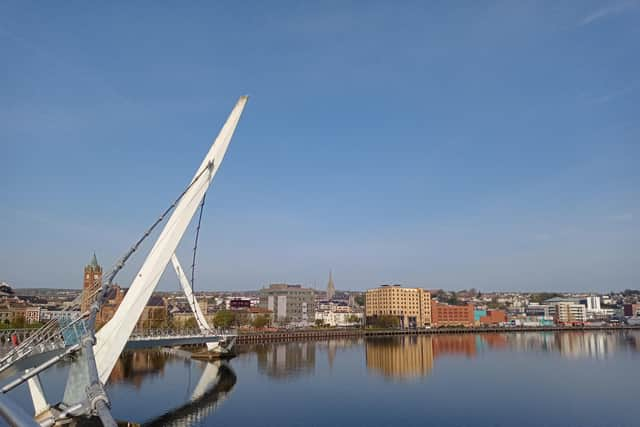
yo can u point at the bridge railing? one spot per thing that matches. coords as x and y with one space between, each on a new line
162 332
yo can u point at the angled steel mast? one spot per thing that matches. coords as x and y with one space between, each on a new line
112 338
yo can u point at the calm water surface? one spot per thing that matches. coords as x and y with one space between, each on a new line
530 379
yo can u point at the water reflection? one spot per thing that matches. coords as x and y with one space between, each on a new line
134 367
213 385
336 345
595 345
280 361
401 357
415 356
155 387
216 383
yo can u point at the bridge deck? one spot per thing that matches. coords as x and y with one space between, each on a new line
134 342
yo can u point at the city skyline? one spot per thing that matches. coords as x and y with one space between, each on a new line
488 147
329 290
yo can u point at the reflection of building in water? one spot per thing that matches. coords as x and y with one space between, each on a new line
286 360
134 366
411 356
588 344
633 341
331 353
540 341
334 345
403 357
573 345
463 344
495 341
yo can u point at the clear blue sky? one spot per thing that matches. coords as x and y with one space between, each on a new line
441 144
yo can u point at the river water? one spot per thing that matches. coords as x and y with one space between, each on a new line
520 379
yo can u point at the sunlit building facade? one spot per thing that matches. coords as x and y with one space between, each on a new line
412 306
452 315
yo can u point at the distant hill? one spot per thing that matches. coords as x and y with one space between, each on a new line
44 291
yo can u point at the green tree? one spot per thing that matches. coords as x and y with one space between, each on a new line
191 323
260 321
453 299
359 299
223 319
19 322
385 321
319 323
543 296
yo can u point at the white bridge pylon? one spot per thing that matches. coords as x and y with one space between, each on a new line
112 338
188 292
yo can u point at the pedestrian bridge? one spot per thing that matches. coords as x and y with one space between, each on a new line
169 338
144 339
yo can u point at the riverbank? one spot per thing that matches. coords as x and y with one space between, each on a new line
322 334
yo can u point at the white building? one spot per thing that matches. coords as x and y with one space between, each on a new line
592 303
339 318
594 309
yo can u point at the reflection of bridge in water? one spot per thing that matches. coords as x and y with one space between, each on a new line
204 401
215 383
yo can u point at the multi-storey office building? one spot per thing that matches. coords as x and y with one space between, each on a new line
412 306
289 303
538 310
567 312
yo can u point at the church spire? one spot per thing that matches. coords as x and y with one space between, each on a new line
331 288
94 261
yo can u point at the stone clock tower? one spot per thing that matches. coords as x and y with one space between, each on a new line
92 280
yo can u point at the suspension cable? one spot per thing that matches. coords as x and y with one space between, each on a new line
195 245
193 263
120 264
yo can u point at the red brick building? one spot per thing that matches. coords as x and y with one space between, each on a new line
451 315
494 317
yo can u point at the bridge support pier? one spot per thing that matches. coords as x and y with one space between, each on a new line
40 403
